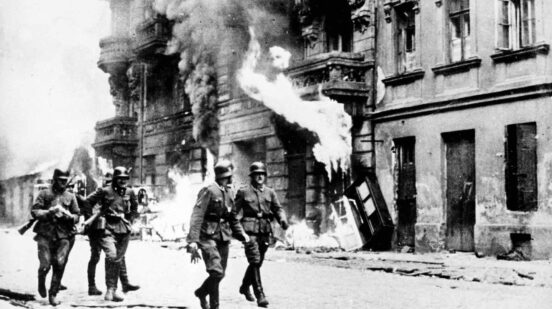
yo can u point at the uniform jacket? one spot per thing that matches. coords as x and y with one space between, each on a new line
119 207
213 216
48 224
257 208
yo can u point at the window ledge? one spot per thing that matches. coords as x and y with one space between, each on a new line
520 54
456 67
404 78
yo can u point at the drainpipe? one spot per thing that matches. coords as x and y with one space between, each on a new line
143 102
374 91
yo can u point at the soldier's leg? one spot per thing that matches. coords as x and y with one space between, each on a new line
44 259
213 266
95 251
123 275
255 257
61 286
247 281
108 244
223 249
62 247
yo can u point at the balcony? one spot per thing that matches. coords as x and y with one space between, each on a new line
114 54
152 36
116 134
341 75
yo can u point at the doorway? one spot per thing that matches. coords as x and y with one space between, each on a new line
460 189
406 191
245 153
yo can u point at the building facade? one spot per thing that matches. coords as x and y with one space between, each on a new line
449 101
464 136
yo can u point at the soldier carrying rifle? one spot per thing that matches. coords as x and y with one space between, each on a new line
57 212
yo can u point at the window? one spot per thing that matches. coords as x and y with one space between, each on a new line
521 167
459 27
338 39
516 24
405 38
338 27
150 169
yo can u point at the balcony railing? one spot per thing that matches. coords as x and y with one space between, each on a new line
338 73
152 36
117 131
114 54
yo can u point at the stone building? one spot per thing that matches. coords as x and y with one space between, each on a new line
453 121
464 136
335 44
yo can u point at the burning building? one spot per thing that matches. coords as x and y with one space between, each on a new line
456 135
174 70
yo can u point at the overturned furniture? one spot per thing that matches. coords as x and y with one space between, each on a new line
376 224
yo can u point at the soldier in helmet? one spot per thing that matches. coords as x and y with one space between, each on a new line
95 228
57 213
258 205
118 208
211 226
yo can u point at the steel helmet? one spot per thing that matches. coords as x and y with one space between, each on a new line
257 168
59 174
223 169
120 172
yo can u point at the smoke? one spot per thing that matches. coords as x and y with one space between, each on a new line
207 32
325 117
51 91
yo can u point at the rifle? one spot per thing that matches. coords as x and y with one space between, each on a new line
26 226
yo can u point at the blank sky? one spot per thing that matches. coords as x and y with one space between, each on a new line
51 90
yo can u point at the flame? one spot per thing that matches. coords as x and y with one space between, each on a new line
300 235
325 117
173 216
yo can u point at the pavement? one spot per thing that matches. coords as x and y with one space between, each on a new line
292 278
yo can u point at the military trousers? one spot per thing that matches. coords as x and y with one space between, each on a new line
53 253
114 246
215 257
255 251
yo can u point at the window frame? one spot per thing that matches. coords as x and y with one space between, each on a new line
461 13
519 13
401 37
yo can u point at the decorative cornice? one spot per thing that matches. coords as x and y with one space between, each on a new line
389 5
520 54
404 78
455 67
355 4
471 101
361 20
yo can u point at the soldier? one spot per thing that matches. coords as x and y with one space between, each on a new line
258 205
118 208
57 213
211 227
94 228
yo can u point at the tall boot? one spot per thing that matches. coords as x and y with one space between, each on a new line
42 281
214 295
91 272
258 288
127 286
111 295
57 272
246 283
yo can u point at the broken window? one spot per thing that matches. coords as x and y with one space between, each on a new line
521 167
149 170
459 27
516 24
405 37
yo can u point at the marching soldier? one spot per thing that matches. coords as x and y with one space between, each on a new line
118 208
211 227
57 213
94 228
258 205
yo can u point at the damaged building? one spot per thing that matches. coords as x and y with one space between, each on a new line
447 102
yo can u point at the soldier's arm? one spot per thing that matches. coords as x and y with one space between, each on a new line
74 210
238 204
235 225
198 213
277 210
133 207
39 209
94 198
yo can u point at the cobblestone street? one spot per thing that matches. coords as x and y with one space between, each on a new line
168 280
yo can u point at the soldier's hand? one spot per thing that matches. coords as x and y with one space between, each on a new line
195 257
246 238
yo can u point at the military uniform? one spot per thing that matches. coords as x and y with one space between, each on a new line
55 234
118 206
257 207
211 226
